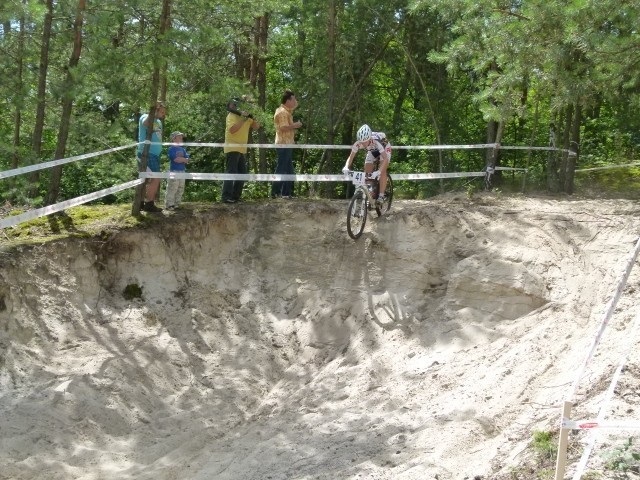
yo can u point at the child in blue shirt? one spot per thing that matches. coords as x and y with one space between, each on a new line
179 158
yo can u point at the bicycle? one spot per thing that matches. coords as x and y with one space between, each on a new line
364 199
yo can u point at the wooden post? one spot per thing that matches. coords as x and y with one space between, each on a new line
561 461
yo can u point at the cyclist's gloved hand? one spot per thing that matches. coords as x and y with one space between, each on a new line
345 170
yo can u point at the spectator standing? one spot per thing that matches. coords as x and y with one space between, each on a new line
178 158
285 135
238 125
153 157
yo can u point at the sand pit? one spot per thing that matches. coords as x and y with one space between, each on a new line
257 341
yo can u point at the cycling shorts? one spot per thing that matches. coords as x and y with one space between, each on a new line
153 162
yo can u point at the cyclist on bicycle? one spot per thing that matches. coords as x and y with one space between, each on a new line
378 148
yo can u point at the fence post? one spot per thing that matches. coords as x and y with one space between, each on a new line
563 441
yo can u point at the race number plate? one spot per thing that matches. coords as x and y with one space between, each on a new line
358 178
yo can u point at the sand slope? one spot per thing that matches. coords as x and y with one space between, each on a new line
269 345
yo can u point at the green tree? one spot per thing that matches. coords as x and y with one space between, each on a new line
68 96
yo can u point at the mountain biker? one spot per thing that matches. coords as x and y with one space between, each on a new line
377 147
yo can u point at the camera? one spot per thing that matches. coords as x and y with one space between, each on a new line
234 103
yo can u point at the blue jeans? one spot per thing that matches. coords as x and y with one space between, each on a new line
285 167
232 189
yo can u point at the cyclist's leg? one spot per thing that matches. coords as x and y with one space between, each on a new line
384 164
383 176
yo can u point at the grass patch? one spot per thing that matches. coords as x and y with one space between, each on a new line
615 183
623 458
80 221
545 446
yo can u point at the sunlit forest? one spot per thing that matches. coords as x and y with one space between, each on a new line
77 75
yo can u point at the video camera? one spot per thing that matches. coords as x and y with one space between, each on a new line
234 103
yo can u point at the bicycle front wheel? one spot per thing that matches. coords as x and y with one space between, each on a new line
388 197
357 214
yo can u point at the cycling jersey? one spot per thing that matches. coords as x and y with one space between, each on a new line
374 148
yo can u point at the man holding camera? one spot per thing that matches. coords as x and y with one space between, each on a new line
238 125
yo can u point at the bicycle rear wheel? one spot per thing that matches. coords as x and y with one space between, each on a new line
388 197
357 214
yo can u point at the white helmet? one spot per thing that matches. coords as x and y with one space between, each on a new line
364 133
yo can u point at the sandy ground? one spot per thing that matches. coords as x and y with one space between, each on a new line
269 345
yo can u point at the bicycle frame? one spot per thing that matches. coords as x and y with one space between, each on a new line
363 200
360 179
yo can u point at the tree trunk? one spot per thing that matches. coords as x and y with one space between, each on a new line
243 64
532 139
492 128
331 100
17 121
396 124
566 135
261 36
574 147
163 83
495 130
308 104
34 178
302 37
498 140
552 159
67 103
165 24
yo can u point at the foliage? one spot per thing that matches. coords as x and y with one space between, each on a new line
624 458
425 72
545 446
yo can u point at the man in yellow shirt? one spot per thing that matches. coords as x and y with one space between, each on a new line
285 135
237 130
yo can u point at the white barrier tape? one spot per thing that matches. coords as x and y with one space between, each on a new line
334 147
62 161
520 147
605 320
512 169
393 147
258 177
435 176
571 153
266 177
442 147
41 212
608 167
599 424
